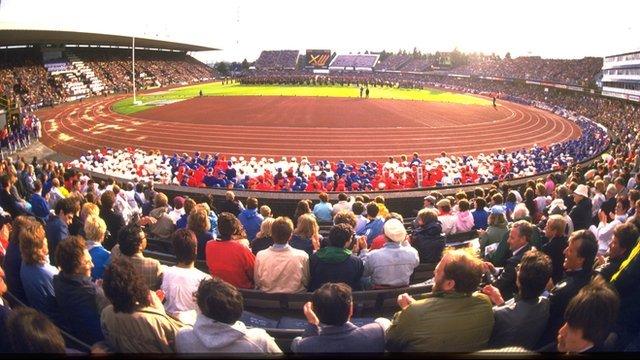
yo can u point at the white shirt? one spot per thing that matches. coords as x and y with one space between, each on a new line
178 285
604 232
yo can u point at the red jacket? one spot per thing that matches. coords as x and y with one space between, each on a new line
231 261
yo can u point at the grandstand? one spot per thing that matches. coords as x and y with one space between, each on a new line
354 62
277 60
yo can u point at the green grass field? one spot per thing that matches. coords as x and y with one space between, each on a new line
217 89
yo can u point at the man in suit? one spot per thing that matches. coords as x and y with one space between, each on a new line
518 241
329 329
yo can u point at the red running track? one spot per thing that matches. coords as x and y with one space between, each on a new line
320 128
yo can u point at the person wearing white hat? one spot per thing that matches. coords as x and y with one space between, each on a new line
392 265
581 212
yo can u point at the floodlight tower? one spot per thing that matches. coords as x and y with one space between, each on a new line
133 67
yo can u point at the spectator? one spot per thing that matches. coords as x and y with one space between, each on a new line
263 238
335 263
446 218
581 212
521 320
625 238
391 266
115 222
80 301
464 219
480 214
231 204
5 311
265 211
217 328
519 238
361 220
36 273
9 201
39 206
380 240
133 241
135 322
578 264
33 333
323 210
198 222
181 281
607 224
329 328
555 246
374 226
189 205
281 268
251 219
229 256
589 319
344 203
163 227
302 208
384 212
178 209
427 238
13 259
95 229
453 307
306 236
496 231
57 226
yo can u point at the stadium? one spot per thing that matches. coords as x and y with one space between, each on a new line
314 200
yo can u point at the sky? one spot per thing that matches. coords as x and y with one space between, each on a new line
548 28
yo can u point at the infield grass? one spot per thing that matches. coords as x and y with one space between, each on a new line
217 89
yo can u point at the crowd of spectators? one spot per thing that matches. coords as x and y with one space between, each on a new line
556 268
277 59
580 72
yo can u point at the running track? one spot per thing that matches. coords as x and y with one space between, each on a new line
406 126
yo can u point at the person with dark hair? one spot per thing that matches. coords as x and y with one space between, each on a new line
251 219
453 317
189 205
521 320
373 227
33 333
229 257
427 237
579 258
79 299
282 268
329 328
133 241
335 263
39 206
58 225
344 203
163 227
181 281
346 217
199 222
625 238
36 273
480 214
519 243
135 322
359 209
323 210
588 320
217 328
8 200
608 222
302 208
115 222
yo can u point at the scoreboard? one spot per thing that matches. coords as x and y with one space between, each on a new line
318 59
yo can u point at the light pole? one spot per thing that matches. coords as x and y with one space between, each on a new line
133 68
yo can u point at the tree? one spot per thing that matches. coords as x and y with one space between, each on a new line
245 64
222 68
507 56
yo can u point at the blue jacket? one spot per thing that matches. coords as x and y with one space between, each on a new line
56 231
301 243
251 220
323 212
37 281
335 265
372 229
480 218
77 300
100 258
12 264
182 222
39 206
339 339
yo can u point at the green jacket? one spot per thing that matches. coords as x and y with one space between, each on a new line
443 322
